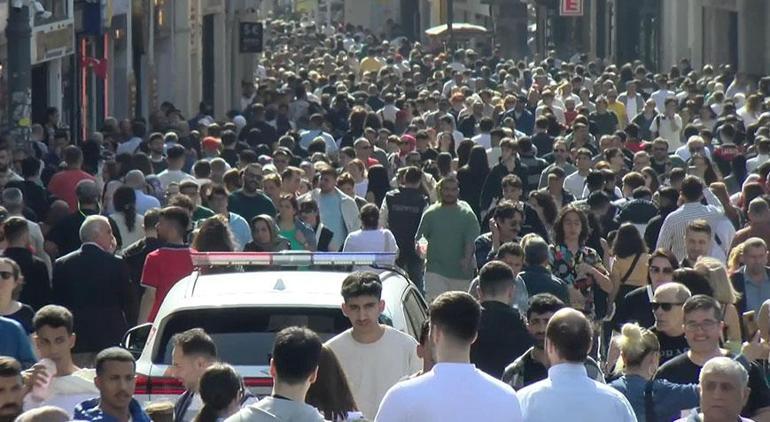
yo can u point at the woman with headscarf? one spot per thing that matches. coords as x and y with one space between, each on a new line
265 237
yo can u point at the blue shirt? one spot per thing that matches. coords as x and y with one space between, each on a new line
330 210
568 394
15 342
757 291
668 398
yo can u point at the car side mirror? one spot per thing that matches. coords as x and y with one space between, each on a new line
136 338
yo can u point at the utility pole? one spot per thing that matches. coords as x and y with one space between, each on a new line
450 17
19 35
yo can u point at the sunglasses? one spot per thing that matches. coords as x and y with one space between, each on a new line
5 275
658 270
663 305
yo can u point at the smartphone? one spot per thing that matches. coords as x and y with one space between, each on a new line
692 170
750 324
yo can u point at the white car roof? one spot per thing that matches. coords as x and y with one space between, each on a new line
269 288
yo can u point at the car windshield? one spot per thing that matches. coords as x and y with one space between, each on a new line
244 336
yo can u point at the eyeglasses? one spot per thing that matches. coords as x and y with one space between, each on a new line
664 305
5 275
706 325
664 270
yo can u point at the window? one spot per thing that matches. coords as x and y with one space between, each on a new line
414 308
244 336
59 10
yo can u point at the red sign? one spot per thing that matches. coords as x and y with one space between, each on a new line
571 8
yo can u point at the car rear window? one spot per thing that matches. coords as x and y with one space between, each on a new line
244 336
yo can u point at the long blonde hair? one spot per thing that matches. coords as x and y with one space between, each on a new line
636 343
716 274
734 261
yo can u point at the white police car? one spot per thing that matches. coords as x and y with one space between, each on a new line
242 311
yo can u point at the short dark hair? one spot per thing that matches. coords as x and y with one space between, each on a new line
151 217
509 248
195 341
703 303
296 353
112 354
9 367
571 336
14 228
73 155
412 175
30 166
54 316
370 216
175 152
178 215
361 283
506 210
692 188
536 252
458 314
495 277
544 303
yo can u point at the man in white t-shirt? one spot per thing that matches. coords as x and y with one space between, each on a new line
54 339
454 389
371 238
374 356
668 126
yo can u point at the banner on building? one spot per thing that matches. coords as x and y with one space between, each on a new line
571 8
251 37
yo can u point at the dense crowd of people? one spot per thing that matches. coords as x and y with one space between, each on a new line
610 226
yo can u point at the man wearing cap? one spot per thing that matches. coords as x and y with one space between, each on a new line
135 180
210 148
64 237
315 130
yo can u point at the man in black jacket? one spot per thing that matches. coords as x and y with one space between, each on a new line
64 237
401 212
136 253
492 190
95 285
37 282
502 335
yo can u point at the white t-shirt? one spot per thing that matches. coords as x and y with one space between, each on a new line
196 404
662 125
168 177
380 240
483 139
574 185
67 391
373 368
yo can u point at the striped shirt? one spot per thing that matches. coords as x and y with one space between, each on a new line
672 231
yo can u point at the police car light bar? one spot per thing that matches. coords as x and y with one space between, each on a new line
291 258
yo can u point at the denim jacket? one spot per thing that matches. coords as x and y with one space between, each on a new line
668 398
